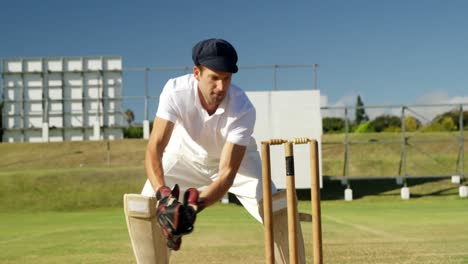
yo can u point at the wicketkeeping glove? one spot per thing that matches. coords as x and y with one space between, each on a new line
176 219
191 209
167 213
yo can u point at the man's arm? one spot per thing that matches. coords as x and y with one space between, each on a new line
160 135
230 160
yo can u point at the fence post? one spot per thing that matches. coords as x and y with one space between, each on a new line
108 153
348 194
146 92
403 146
346 154
462 147
146 130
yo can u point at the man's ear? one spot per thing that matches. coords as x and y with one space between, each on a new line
196 72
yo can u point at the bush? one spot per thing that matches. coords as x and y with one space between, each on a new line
448 124
136 132
454 115
133 132
333 124
445 124
364 128
412 124
382 122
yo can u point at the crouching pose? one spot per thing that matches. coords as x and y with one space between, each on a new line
201 141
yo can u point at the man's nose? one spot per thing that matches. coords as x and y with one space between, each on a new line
221 85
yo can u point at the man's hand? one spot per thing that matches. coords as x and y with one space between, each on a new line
176 219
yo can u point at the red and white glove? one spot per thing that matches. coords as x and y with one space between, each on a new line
175 218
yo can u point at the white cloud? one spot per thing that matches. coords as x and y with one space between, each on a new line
459 100
433 97
337 108
434 103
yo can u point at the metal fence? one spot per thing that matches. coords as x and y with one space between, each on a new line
431 149
142 86
408 153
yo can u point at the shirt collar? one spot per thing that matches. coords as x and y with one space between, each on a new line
222 106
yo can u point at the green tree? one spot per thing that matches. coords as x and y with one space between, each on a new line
441 124
130 117
447 124
412 124
455 116
361 115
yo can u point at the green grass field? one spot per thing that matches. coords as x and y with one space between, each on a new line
427 230
370 154
62 203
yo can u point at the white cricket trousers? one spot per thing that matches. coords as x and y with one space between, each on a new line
190 171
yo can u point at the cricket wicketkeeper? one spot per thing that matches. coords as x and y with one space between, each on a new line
200 148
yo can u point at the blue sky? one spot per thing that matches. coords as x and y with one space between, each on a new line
389 52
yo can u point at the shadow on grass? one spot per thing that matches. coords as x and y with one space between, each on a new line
386 187
377 187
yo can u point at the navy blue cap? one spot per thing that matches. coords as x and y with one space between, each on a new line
216 54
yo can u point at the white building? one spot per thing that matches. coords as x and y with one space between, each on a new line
62 99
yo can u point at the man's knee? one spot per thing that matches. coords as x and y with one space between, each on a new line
280 229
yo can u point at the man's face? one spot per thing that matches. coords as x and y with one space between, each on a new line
212 85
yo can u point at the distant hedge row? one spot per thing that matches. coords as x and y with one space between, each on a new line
448 121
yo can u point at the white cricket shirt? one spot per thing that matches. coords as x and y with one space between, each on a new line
198 133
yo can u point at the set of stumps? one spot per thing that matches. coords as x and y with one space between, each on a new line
291 199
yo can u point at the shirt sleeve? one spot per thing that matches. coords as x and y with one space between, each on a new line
167 107
242 128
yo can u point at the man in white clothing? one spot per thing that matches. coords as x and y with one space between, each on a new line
202 138
202 133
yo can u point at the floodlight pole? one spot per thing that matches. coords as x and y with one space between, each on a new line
275 72
315 76
146 92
